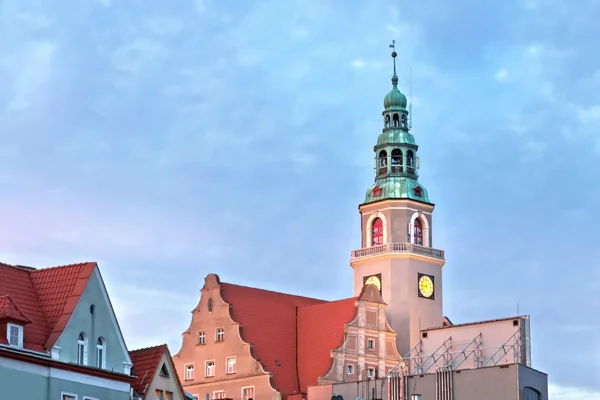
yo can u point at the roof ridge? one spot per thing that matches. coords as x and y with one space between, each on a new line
329 302
273 291
19 267
55 267
164 345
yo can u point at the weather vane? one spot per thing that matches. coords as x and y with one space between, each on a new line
393 45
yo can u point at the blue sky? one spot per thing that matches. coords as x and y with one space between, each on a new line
168 140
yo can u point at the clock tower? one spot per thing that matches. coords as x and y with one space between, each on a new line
396 251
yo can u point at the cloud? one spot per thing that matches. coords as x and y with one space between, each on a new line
501 75
558 392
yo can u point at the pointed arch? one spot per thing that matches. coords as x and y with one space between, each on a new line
369 228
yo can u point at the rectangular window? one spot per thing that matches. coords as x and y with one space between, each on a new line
350 369
370 344
169 396
159 395
200 337
248 393
210 368
219 394
68 396
231 365
370 372
189 372
15 335
219 335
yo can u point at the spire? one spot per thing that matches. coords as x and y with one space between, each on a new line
394 54
396 162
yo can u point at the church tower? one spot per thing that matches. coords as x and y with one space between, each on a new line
397 231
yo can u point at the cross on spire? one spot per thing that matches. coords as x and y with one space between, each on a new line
394 54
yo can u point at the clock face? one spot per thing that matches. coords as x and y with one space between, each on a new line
374 280
426 286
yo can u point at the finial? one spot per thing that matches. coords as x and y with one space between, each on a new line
394 54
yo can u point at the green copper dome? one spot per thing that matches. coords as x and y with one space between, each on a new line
395 99
397 187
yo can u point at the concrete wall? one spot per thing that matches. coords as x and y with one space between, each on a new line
20 380
98 324
492 383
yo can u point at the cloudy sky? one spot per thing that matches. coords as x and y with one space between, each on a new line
168 140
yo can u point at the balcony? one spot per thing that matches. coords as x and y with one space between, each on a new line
397 248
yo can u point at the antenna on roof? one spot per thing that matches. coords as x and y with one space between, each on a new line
410 118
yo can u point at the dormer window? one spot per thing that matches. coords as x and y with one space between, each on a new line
376 191
418 191
14 334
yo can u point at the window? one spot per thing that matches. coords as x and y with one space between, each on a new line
396 160
164 371
219 394
350 369
169 396
210 368
247 392
387 121
82 349
219 335
396 121
377 232
231 365
532 394
418 232
189 372
201 337
210 305
370 344
68 396
370 372
382 162
159 395
409 162
15 335
100 353
196 396
89 398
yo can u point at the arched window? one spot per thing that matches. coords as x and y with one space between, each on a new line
396 160
409 162
100 353
531 393
387 121
382 162
418 232
377 232
210 305
404 120
81 349
396 121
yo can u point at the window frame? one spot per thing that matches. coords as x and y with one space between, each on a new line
20 333
101 353
214 369
200 334
377 239
220 332
350 369
371 369
82 349
63 394
242 392
186 369
234 358
369 341
418 237
219 392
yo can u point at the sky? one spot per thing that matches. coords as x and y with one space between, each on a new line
169 140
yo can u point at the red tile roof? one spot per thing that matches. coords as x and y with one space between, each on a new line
9 311
146 362
47 297
268 322
321 331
